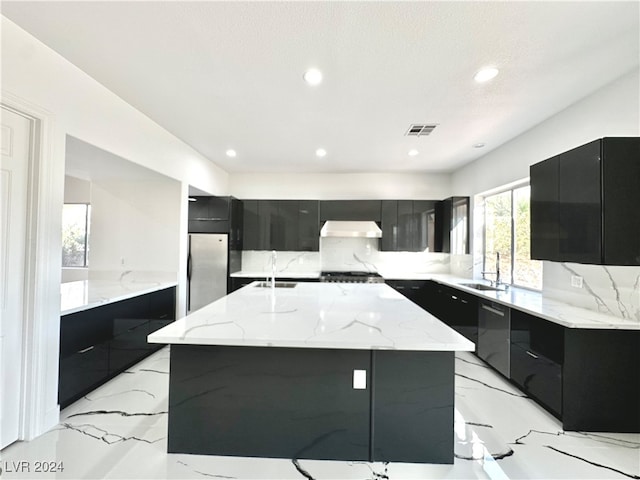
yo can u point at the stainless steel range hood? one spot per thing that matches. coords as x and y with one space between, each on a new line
337 228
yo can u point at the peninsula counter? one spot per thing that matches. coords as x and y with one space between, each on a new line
313 370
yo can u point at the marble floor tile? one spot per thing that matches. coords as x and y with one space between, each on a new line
119 431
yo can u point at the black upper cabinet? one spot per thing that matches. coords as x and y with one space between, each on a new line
583 201
209 214
452 225
424 225
352 210
621 197
308 226
544 210
389 217
408 225
579 219
250 227
285 225
268 225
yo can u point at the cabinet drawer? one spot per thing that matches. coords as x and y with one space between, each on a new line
537 376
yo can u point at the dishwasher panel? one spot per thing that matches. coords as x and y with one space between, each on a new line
494 335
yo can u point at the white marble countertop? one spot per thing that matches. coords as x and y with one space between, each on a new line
535 303
528 301
263 274
85 294
315 315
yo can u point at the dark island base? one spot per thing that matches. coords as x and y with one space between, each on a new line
300 403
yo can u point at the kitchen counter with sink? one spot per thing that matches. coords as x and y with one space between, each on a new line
313 370
528 301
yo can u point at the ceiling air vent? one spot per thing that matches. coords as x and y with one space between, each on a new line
421 129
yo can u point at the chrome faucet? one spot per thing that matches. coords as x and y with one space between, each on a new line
496 273
274 258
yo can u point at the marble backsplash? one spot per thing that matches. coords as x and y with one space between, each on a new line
357 254
292 262
611 290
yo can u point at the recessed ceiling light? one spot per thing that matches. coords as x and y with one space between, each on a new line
485 74
191 199
478 145
413 153
313 76
321 152
231 153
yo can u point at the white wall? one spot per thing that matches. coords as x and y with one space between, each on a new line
613 110
134 226
341 186
76 190
37 79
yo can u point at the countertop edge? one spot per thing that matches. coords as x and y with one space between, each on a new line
118 298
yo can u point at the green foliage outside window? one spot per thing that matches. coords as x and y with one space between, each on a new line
75 235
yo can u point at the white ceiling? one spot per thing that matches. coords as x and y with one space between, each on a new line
223 75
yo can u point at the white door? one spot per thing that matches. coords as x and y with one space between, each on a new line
16 141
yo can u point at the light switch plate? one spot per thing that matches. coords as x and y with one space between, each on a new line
359 379
576 281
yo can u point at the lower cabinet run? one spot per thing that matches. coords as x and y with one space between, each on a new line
101 342
587 378
312 403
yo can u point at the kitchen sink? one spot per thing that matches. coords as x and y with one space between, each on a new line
278 284
482 286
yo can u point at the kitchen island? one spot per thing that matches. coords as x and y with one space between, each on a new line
313 370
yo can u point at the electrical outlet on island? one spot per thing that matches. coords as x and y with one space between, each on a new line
576 281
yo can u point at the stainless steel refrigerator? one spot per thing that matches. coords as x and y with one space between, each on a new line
206 269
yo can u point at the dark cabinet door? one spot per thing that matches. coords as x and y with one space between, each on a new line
250 225
353 210
621 187
268 224
544 209
81 372
537 354
405 225
308 226
219 208
198 208
389 216
236 222
412 289
424 225
286 232
412 406
208 214
579 205
494 332
443 210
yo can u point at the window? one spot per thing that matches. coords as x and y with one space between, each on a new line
507 232
75 234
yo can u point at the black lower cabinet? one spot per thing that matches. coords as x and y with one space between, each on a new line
601 380
455 308
412 409
412 289
268 402
82 371
537 356
303 403
101 342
